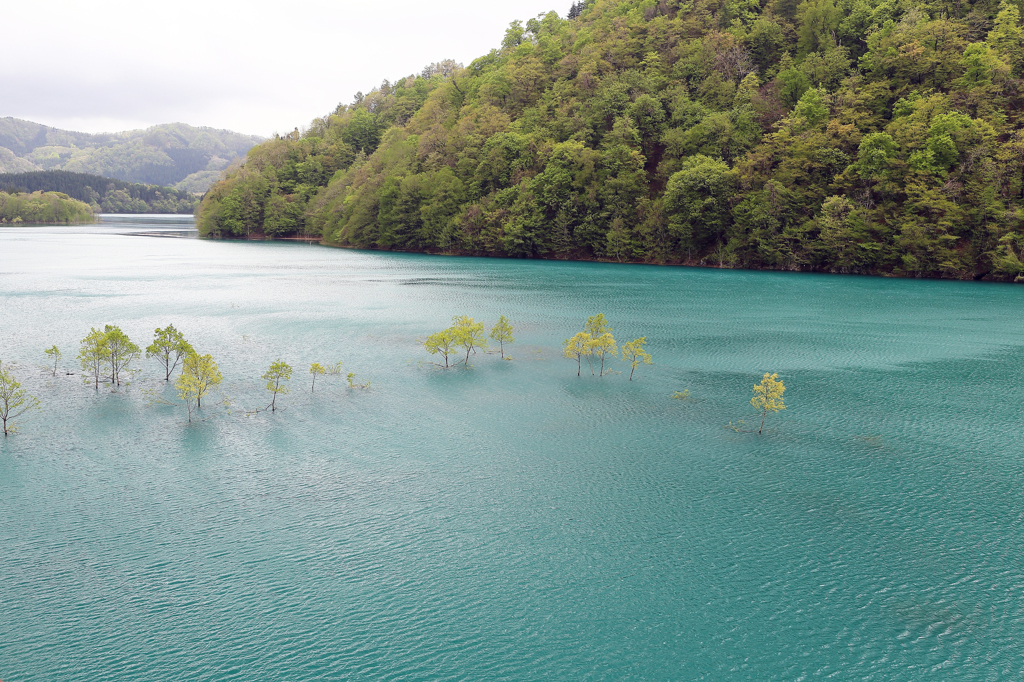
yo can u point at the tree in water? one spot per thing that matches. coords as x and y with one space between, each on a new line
634 353
14 401
199 373
120 351
768 396
316 369
278 373
54 354
442 342
93 354
169 347
502 333
578 347
600 348
468 334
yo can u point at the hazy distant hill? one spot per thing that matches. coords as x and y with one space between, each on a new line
103 195
172 154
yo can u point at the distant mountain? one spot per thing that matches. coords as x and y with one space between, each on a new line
173 154
103 195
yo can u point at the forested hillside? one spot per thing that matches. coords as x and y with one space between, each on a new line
874 136
103 194
173 154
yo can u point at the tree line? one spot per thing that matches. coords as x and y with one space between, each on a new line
43 207
104 195
863 136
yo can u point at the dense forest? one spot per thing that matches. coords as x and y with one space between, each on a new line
104 195
188 158
43 207
870 136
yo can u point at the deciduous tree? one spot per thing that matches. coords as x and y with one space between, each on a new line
199 373
502 333
169 347
442 342
600 348
469 334
14 400
278 373
768 396
120 351
577 348
54 354
93 354
634 353
316 369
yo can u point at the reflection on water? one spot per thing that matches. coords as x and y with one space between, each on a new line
509 520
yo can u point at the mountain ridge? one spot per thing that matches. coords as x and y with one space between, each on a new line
177 155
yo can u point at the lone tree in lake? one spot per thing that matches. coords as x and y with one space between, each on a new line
120 351
316 369
634 353
169 347
93 354
14 401
502 333
199 373
279 372
768 396
54 354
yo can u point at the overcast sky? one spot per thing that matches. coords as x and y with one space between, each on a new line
254 67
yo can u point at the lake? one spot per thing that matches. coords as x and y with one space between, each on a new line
509 520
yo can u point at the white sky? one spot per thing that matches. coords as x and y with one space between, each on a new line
255 67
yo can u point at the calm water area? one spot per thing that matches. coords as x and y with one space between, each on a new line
506 521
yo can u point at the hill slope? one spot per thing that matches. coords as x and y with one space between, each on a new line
836 135
167 155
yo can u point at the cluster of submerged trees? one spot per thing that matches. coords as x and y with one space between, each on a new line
110 350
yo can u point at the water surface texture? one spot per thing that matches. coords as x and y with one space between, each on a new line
508 521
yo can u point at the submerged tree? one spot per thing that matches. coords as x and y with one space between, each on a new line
199 373
120 351
442 342
279 372
316 369
502 333
14 400
169 347
93 354
600 348
768 396
468 334
55 355
634 353
597 326
578 347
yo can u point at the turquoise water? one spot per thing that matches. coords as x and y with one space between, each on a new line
509 521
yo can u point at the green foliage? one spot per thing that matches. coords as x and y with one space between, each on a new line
14 401
169 347
469 334
316 369
635 354
502 333
120 351
278 373
199 373
162 155
443 343
54 354
768 396
93 354
104 194
832 135
43 207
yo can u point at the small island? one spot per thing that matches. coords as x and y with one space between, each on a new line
48 208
